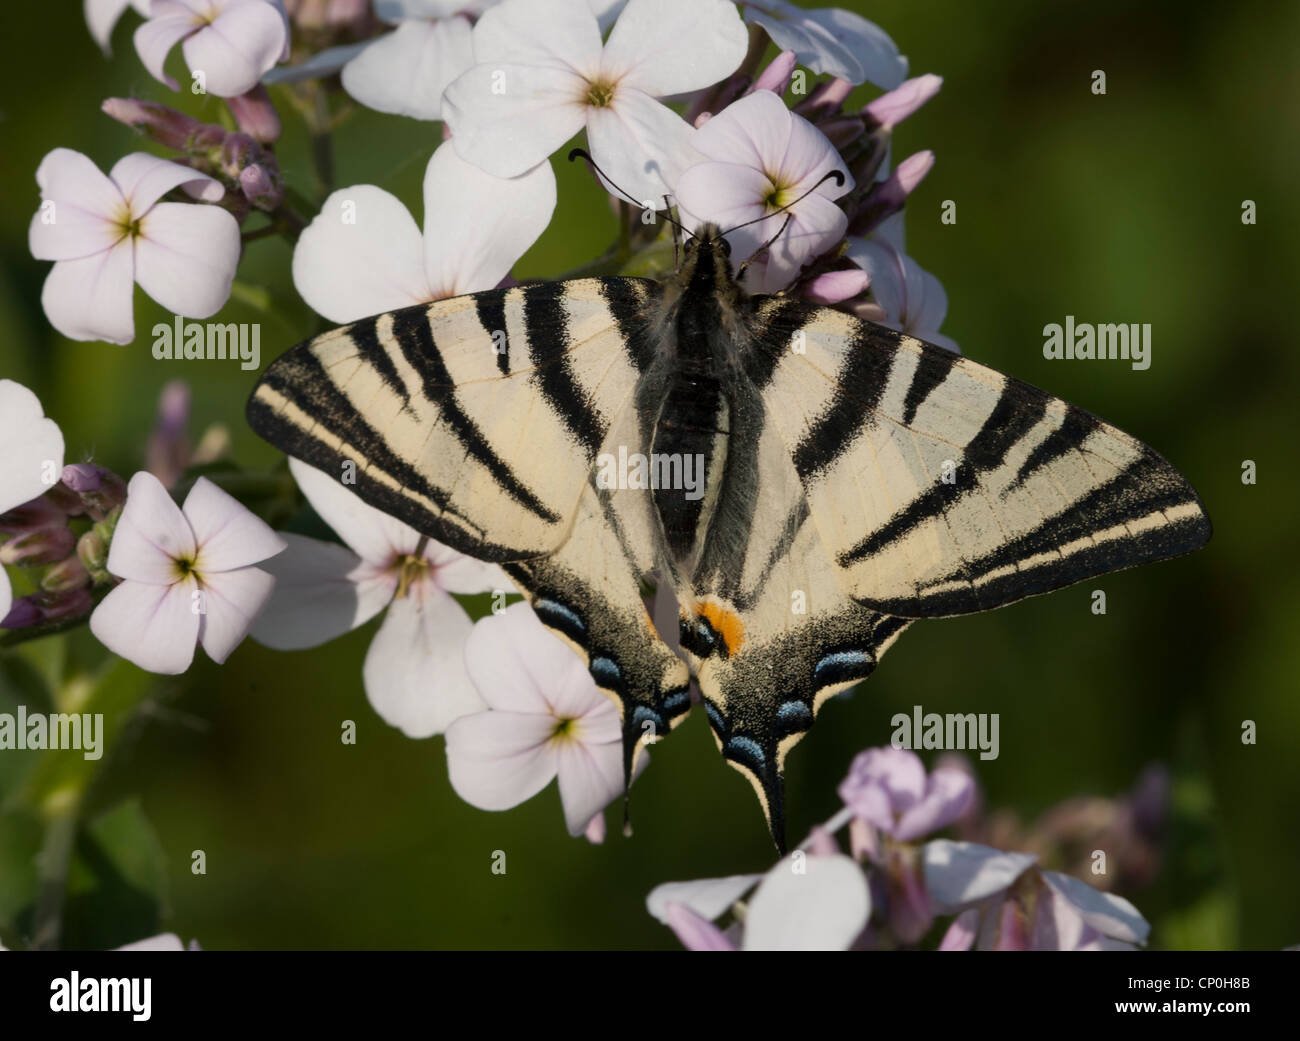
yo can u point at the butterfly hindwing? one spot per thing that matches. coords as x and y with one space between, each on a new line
940 486
446 411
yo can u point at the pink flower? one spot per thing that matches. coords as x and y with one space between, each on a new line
104 233
230 42
31 459
542 75
364 254
1007 903
414 672
888 788
187 576
760 157
546 719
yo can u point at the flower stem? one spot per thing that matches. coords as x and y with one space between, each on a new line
52 878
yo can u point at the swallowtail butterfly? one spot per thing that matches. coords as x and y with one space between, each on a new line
858 472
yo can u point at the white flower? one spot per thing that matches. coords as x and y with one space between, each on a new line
102 16
406 71
831 40
31 458
760 157
546 719
806 902
104 233
414 671
231 42
912 299
187 575
364 254
543 74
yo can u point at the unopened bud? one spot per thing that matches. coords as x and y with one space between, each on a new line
259 187
92 551
23 613
65 575
43 546
31 516
256 115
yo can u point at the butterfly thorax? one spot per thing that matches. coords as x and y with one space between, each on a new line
692 428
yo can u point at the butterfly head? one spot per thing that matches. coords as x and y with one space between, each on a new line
706 260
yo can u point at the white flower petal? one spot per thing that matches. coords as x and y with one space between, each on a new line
883 265
360 256
244 41
457 573
519 665
82 212
186 256
143 179
154 626
230 602
642 145
151 535
1109 914
823 908
376 537
709 897
753 131
674 46
959 874
415 668
322 590
509 132
228 534
33 447
161 942
102 16
497 760
168 24
591 777
558 33
90 298
833 41
405 72
475 225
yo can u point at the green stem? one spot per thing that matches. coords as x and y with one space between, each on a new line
52 878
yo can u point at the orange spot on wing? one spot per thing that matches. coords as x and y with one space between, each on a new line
727 624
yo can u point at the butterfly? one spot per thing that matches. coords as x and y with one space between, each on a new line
805 483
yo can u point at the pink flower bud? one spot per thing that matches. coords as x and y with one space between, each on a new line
776 77
30 516
43 546
23 613
65 575
158 122
256 115
59 607
890 109
259 187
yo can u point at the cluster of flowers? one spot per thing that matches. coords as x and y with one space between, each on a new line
511 83
891 889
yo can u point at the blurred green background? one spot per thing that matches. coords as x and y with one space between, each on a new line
1117 208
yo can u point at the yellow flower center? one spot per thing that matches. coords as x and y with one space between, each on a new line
600 95
410 569
565 730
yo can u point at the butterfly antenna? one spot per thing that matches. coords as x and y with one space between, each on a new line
838 175
582 153
780 231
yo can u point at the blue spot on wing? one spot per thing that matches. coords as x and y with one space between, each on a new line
605 671
747 748
839 666
794 712
559 616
